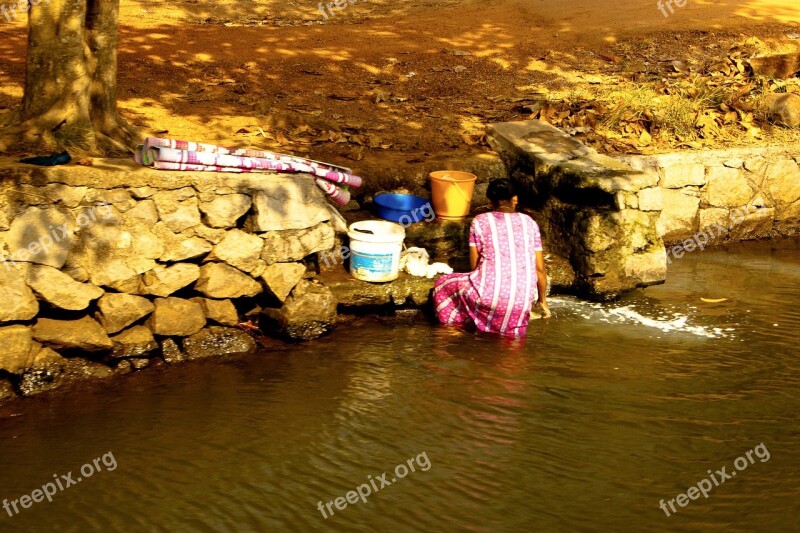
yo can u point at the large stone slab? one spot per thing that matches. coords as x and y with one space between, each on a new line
143 213
15 354
294 245
281 278
546 149
223 211
118 311
406 290
756 224
679 215
240 250
679 175
178 209
784 181
176 317
137 341
527 141
598 211
18 301
219 311
308 313
280 205
41 235
60 290
112 254
221 281
727 187
164 281
81 334
178 246
601 173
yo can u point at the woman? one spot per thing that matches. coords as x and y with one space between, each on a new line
505 253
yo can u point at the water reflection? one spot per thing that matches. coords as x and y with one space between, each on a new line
586 424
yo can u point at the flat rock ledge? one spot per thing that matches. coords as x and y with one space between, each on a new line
611 218
353 294
587 206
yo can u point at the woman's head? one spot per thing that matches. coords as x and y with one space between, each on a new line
501 191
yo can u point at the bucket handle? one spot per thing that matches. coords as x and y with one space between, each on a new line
461 192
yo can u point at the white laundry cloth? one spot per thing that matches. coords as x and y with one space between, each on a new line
415 262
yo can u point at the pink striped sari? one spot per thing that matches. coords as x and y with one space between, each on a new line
497 295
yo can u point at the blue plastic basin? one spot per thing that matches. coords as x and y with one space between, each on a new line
405 209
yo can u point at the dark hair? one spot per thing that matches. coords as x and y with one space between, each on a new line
500 190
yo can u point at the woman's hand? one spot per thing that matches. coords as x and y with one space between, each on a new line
545 308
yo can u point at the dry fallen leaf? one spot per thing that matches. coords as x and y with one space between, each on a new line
610 57
456 52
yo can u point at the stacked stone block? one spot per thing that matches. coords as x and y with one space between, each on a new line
738 194
105 272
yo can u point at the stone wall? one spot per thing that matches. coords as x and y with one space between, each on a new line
597 213
106 269
726 194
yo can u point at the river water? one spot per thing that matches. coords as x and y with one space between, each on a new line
600 414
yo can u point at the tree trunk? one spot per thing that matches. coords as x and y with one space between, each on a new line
70 98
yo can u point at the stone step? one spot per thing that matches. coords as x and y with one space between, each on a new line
351 293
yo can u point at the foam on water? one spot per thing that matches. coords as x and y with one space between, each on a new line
661 319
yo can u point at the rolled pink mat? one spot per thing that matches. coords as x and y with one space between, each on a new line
338 195
342 177
173 154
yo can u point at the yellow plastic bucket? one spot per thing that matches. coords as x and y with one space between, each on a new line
451 193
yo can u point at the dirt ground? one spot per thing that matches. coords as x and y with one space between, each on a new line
402 81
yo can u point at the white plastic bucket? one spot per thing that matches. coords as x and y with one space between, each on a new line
375 247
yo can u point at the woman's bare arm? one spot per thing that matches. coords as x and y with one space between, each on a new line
473 257
541 283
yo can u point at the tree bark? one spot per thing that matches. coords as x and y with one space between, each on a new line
70 99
